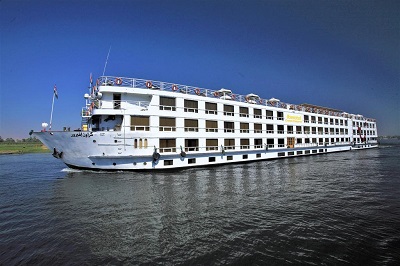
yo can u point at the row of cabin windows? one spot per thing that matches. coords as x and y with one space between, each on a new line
364 132
142 123
167 103
363 124
246 156
169 145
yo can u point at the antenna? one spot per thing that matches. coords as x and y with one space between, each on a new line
105 65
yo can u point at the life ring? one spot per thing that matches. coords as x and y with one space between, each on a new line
216 94
148 84
118 81
233 96
197 91
174 87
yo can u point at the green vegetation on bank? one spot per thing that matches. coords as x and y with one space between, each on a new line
30 145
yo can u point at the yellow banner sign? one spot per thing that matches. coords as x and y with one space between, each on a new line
294 118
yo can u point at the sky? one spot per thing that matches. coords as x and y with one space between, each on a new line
339 54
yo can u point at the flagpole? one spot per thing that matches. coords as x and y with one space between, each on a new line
52 108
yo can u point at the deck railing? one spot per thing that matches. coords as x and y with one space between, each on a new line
179 88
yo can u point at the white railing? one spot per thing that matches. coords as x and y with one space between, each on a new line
159 85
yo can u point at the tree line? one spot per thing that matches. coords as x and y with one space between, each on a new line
11 140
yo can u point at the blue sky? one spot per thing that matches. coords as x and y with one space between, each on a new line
339 54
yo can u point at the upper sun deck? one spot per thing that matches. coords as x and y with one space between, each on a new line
224 94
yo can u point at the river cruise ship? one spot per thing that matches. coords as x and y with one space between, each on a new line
137 124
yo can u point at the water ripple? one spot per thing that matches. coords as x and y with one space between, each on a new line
339 208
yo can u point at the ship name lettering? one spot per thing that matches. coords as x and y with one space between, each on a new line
83 135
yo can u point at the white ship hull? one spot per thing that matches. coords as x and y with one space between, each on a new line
132 124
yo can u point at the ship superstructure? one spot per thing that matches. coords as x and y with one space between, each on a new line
137 124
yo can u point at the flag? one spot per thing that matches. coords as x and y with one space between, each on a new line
55 91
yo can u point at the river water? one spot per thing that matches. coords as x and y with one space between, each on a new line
331 209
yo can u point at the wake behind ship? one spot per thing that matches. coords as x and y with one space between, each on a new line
136 124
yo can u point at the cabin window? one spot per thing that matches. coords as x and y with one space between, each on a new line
229 110
211 126
270 114
270 129
319 120
229 127
245 156
298 130
117 101
306 119
257 143
299 141
167 124
306 130
229 144
326 121
211 108
258 155
280 115
229 158
290 129
191 144
314 130
313 119
257 128
192 160
140 123
191 125
191 106
320 130
211 144
244 112
167 145
281 143
244 143
271 143
211 159
244 127
168 162
167 103
257 113
280 129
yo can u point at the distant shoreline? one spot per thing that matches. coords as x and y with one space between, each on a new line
22 148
